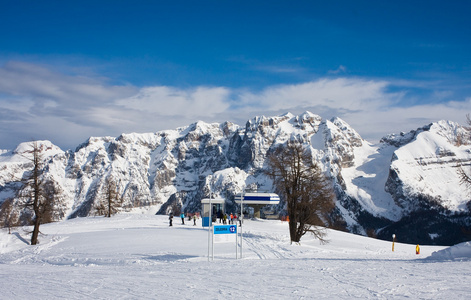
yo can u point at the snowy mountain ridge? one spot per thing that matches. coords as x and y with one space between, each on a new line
379 188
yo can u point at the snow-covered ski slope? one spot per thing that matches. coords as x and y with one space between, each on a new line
138 256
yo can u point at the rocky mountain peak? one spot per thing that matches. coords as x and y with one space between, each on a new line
179 167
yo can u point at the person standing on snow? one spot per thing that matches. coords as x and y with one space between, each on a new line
220 216
170 219
194 220
183 218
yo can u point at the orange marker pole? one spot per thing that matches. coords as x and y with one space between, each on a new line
394 239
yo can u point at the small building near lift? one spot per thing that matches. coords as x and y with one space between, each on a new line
211 207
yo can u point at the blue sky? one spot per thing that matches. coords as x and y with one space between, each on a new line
70 70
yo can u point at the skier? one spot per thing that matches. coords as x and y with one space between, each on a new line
183 218
220 216
194 220
170 219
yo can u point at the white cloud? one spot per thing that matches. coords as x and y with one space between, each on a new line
38 103
340 93
367 105
341 69
198 102
41 84
374 124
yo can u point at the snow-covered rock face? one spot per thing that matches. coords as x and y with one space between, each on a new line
376 185
341 139
426 167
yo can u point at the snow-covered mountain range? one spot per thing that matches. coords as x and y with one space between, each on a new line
407 184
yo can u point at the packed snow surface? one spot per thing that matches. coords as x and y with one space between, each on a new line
138 256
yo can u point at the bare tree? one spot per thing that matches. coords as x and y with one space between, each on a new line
176 209
308 193
38 191
54 208
8 216
111 201
465 178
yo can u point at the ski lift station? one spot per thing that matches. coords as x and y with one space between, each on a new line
257 200
254 200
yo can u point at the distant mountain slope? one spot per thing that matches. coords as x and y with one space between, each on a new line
408 184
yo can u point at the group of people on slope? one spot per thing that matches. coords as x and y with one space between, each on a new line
231 219
182 216
223 218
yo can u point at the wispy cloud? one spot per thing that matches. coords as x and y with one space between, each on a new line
41 84
288 66
339 93
199 101
340 70
278 69
36 102
41 103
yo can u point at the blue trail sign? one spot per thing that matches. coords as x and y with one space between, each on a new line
225 229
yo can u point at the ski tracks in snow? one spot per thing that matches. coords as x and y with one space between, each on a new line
32 254
265 246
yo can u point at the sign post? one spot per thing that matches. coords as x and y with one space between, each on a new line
223 233
241 220
207 215
209 225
